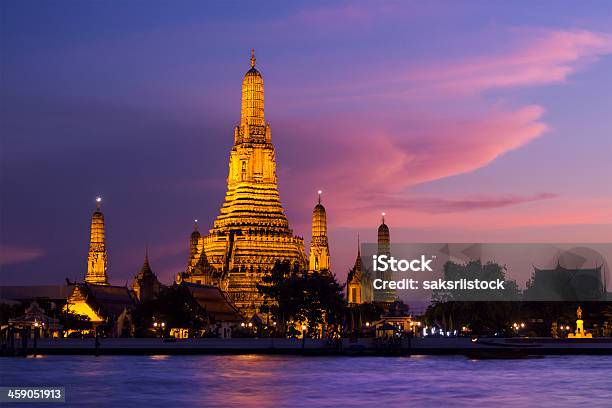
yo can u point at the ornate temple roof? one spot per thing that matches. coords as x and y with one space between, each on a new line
214 302
108 301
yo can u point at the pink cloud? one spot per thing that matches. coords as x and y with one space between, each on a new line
372 161
540 57
14 254
368 166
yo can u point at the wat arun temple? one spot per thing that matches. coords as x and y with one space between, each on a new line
250 234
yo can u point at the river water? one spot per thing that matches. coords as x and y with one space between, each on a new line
283 381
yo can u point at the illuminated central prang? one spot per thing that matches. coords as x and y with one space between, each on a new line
251 232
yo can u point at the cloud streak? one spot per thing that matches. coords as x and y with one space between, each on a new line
13 254
373 160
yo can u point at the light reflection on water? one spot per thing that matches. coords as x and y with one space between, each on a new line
262 381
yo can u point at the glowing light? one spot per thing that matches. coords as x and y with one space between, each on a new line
98 199
383 213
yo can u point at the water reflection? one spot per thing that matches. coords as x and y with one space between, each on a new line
262 381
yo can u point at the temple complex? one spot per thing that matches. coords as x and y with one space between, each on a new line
319 248
97 258
251 232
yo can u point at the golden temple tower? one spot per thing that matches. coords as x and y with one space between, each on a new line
319 249
384 248
251 232
97 259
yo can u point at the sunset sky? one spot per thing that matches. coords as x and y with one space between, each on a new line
464 121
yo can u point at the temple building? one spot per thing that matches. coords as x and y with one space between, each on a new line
251 232
97 259
359 287
96 298
566 284
319 249
146 286
384 248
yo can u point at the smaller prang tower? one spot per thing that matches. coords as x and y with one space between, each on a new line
319 249
384 248
97 258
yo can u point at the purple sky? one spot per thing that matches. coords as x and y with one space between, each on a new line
474 121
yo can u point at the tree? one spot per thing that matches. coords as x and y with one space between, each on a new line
293 295
174 307
483 311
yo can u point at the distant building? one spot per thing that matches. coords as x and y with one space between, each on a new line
359 287
145 284
566 284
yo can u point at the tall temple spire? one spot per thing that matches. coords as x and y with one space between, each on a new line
97 258
251 232
253 60
384 248
319 249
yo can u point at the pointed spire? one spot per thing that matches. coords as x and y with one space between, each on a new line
146 267
383 216
319 193
195 224
98 203
253 58
358 246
